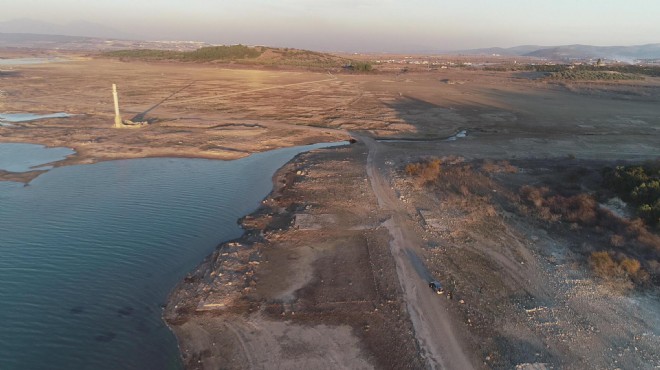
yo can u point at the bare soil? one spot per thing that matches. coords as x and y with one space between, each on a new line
333 270
324 289
523 285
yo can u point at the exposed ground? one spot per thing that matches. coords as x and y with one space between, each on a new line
334 268
328 276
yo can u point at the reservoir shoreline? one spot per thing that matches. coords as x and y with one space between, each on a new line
121 178
312 270
190 290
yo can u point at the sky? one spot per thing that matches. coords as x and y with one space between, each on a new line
362 25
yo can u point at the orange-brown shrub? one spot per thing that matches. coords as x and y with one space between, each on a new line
581 208
426 171
604 266
490 166
630 265
617 240
636 229
534 195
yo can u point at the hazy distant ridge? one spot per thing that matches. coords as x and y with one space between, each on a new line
626 53
649 51
77 28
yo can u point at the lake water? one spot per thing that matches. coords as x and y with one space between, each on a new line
19 157
88 254
26 117
28 61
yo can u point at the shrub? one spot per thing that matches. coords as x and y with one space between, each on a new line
490 166
205 54
654 267
639 185
426 171
603 265
631 266
232 52
617 240
581 208
534 195
358 66
593 75
628 268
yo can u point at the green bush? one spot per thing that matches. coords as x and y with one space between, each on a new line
205 54
145 54
638 185
651 71
360 66
233 52
588 75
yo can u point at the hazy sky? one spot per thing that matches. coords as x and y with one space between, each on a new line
367 25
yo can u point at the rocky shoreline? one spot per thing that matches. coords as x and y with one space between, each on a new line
299 268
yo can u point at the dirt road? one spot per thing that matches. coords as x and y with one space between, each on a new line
438 339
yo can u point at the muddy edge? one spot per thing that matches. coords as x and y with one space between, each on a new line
313 254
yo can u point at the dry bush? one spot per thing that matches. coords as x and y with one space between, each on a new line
630 265
650 240
654 267
638 248
426 171
635 272
628 268
581 208
490 166
412 169
617 240
534 195
604 266
464 190
636 229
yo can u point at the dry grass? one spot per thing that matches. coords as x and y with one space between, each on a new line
582 208
609 268
425 171
490 166
638 248
604 266
617 240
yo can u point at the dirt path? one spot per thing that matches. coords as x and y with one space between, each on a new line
433 328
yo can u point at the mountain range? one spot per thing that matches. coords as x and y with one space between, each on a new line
34 33
76 28
570 52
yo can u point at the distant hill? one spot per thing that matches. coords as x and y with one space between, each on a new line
76 28
19 39
80 43
257 55
514 51
570 52
623 53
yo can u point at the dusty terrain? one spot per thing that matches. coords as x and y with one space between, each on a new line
333 271
328 276
193 110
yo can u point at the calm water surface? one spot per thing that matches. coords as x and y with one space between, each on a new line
89 253
26 117
19 157
28 61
